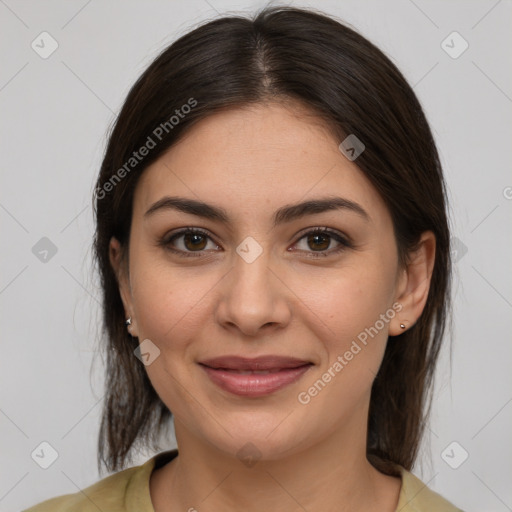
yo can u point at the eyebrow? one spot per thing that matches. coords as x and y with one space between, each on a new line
284 214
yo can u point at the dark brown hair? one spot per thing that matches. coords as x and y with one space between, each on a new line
281 54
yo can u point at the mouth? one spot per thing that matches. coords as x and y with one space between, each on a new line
256 377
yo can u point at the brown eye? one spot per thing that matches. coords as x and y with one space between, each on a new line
317 243
193 241
188 242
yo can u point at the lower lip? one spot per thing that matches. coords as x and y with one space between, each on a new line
255 384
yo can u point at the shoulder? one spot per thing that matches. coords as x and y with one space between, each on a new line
415 496
121 492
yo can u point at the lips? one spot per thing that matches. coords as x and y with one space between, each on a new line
254 377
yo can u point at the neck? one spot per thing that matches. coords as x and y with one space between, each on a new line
331 475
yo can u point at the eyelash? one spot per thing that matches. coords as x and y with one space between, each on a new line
343 241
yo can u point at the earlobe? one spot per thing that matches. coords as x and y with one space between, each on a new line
415 284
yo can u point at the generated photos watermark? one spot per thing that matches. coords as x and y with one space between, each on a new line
151 142
304 397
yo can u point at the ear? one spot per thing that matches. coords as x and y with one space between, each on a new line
123 280
414 284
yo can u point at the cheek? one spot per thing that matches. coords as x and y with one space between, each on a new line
344 303
169 304
168 300
354 311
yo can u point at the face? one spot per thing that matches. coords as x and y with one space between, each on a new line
250 277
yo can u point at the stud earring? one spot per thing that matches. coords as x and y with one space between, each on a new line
128 321
402 326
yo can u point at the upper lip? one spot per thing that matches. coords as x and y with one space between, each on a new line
269 362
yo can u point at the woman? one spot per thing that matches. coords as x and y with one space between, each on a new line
274 252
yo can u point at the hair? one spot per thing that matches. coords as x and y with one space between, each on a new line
282 54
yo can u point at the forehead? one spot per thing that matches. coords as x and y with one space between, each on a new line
254 158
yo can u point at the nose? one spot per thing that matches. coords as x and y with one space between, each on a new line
253 298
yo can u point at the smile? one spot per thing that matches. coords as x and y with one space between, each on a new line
254 377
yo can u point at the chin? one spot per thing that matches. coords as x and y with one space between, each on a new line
252 441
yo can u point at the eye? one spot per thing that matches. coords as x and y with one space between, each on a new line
190 241
320 240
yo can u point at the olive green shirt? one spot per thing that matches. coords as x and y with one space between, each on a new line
128 491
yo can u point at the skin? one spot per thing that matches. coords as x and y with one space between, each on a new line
252 161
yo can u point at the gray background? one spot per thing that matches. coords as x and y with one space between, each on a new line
55 113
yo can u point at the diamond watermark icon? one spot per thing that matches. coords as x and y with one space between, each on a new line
352 147
458 249
44 455
147 352
454 455
44 45
44 250
249 454
249 249
454 45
